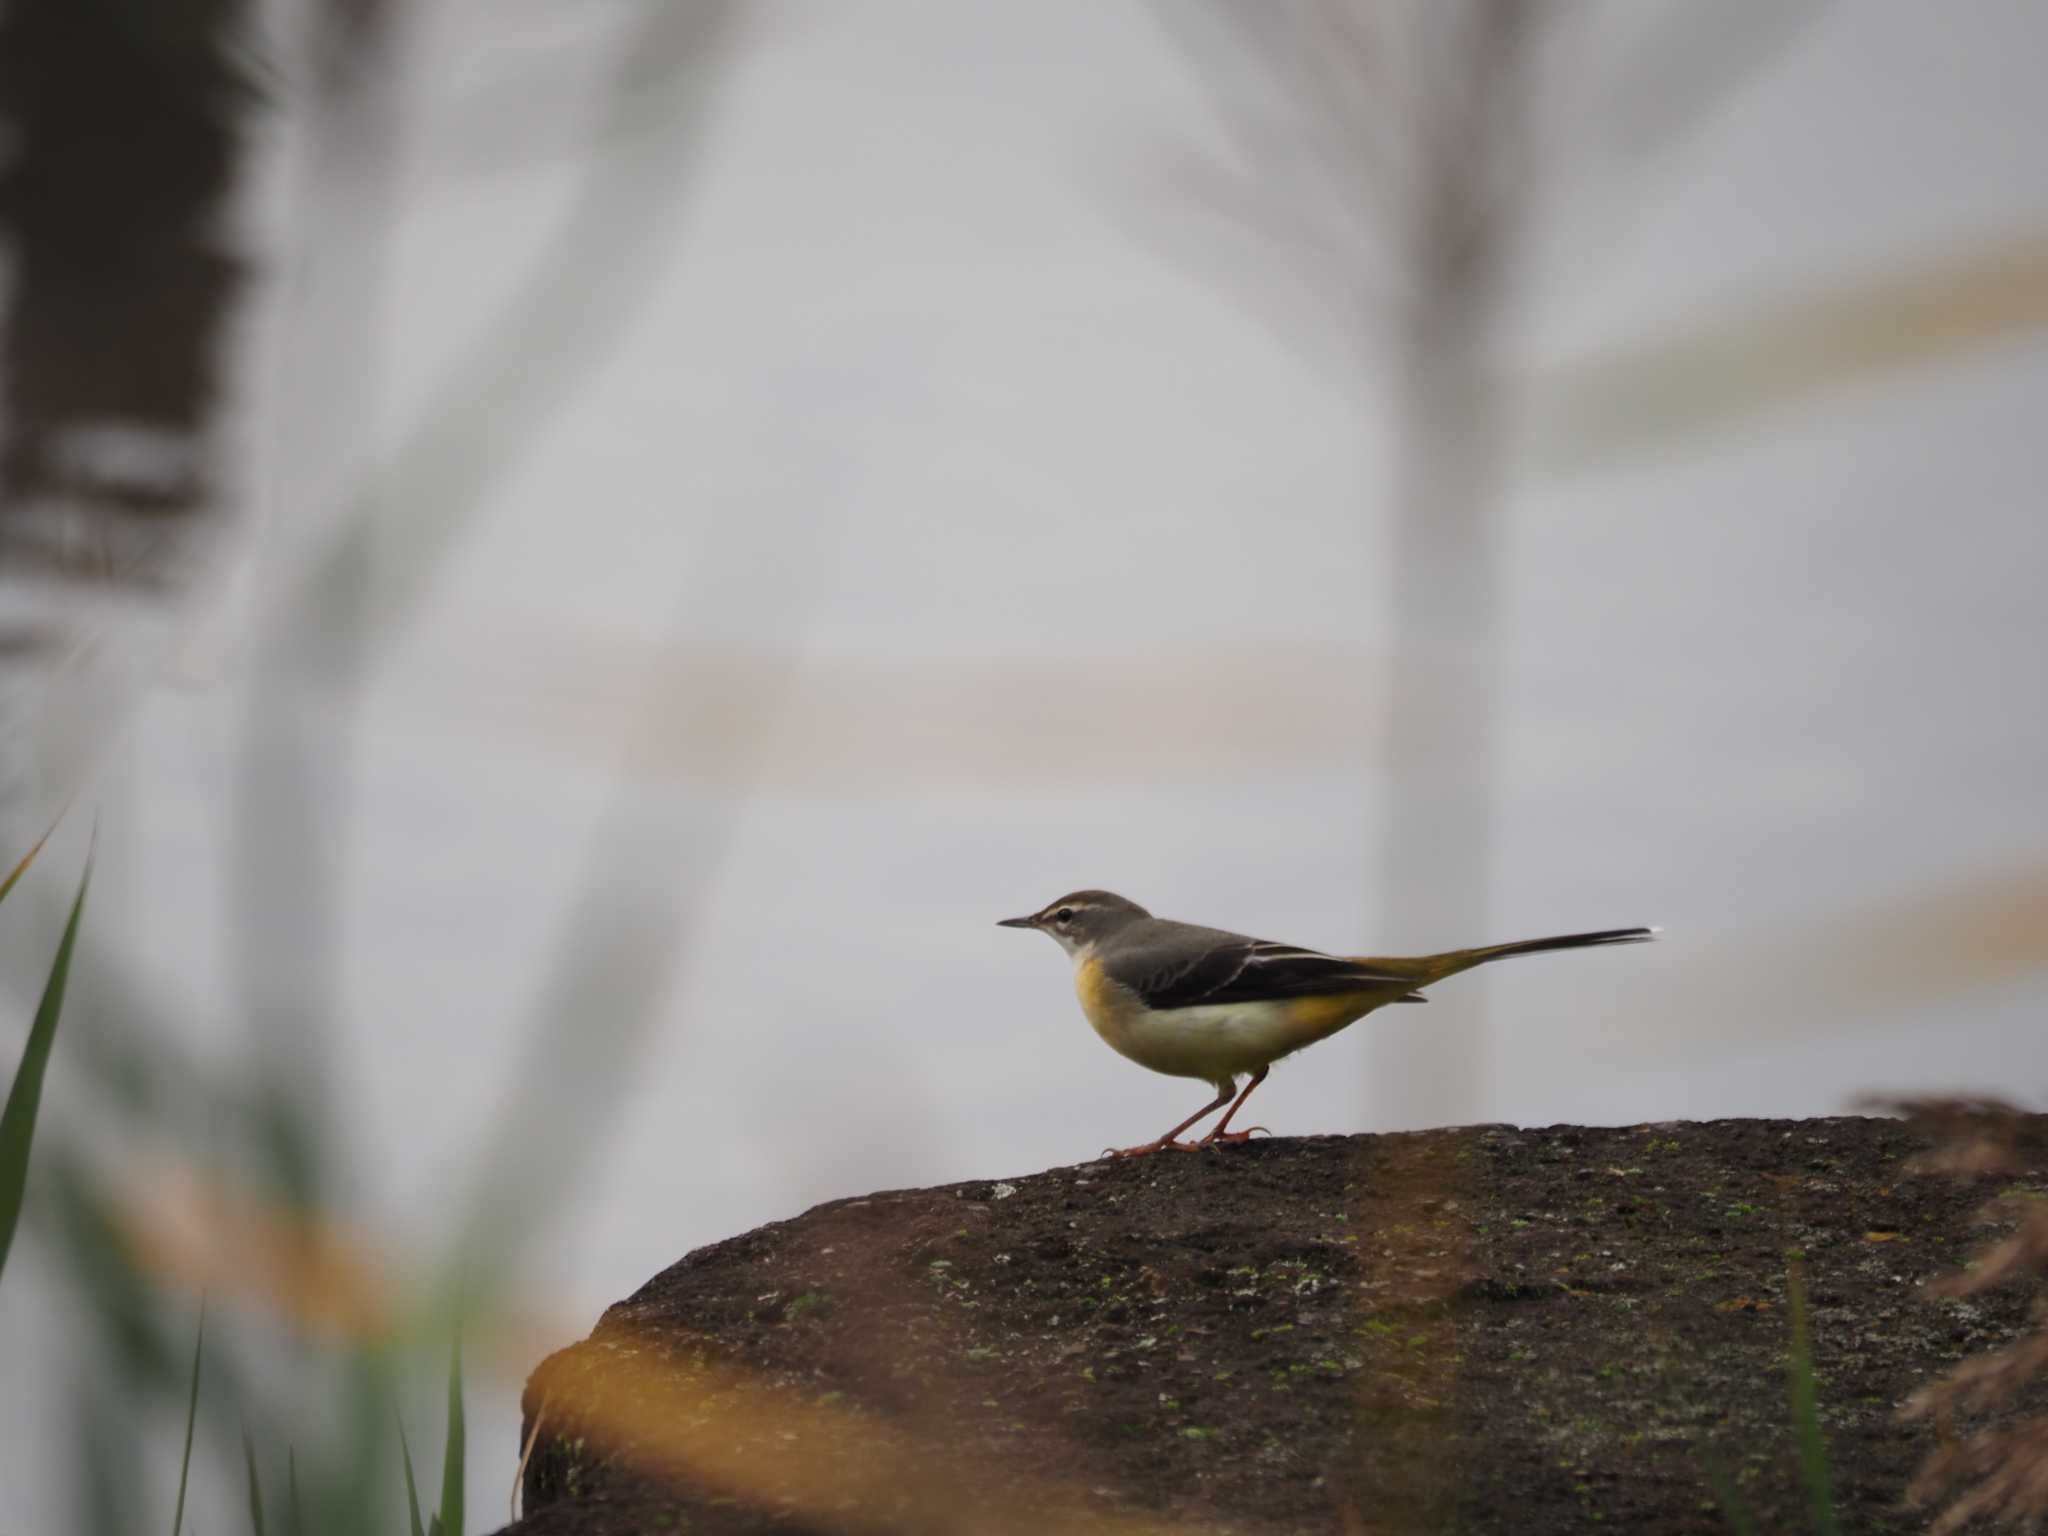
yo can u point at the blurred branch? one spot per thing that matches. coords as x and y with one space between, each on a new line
395 538
1440 729
1413 118
293 778
1776 353
570 312
1288 213
1412 121
1693 60
1970 1136
544 686
1804 981
629 928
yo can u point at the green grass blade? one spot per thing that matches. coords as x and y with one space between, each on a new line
412 1489
18 1120
1813 1446
452 1460
255 1485
191 1418
291 1489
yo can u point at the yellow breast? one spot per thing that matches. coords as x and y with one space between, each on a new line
1107 1005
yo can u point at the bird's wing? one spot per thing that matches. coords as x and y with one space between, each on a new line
1240 970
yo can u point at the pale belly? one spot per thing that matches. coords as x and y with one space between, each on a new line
1213 1042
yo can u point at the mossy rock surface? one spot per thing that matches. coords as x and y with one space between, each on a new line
1482 1329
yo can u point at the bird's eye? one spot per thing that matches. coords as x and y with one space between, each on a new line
1064 915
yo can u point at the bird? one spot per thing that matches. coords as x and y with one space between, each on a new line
1209 1004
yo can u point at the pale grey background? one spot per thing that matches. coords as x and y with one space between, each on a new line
1057 565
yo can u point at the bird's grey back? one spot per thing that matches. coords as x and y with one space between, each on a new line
1149 945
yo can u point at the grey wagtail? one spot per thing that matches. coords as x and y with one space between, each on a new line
1213 1005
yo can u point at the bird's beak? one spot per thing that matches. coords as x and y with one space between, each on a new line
1018 922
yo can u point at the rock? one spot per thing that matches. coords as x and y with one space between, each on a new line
1487 1329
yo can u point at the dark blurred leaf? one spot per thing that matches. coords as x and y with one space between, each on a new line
412 1491
18 1120
255 1485
1813 1446
191 1418
452 1464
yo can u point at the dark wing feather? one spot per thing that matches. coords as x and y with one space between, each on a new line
1252 970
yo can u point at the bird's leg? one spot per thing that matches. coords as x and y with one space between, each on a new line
1223 1092
1220 1134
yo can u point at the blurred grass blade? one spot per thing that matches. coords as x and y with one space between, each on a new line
452 1473
293 1514
255 1485
20 869
104 1443
191 1418
1813 1447
1733 1509
412 1490
18 1120
353 1494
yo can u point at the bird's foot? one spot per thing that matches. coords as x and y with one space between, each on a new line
1153 1146
1229 1136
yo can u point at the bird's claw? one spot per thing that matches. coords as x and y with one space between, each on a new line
1232 1136
1153 1146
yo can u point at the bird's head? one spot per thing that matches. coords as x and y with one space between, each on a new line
1080 920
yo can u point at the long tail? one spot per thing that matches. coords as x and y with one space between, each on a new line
1431 968
1562 941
